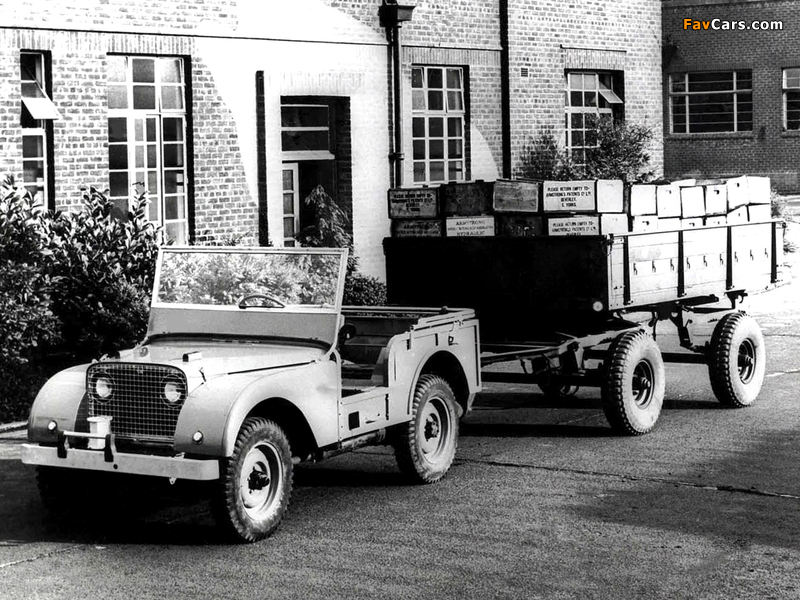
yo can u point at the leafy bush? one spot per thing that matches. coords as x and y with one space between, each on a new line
621 153
544 158
26 321
72 286
363 290
102 270
328 229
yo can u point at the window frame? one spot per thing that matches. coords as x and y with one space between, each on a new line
737 97
294 168
138 141
38 127
788 89
607 103
422 146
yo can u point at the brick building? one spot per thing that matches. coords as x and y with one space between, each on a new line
732 89
227 113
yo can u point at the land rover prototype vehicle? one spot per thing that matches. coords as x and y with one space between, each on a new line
251 365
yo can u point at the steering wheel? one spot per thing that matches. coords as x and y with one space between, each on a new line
243 303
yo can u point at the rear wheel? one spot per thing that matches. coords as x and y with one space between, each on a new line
633 386
737 360
255 483
426 446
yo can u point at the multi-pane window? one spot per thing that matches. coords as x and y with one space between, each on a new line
438 124
590 96
711 102
147 138
291 203
38 112
791 98
306 132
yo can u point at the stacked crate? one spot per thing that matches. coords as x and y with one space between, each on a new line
526 208
688 203
559 208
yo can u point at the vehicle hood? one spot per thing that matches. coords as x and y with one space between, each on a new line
203 361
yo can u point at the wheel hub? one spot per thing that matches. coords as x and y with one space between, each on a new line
747 361
258 480
642 384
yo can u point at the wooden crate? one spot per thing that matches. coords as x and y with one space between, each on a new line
643 200
758 190
466 199
404 228
693 202
589 196
517 196
738 194
758 213
469 226
406 203
644 223
511 225
716 199
573 225
668 201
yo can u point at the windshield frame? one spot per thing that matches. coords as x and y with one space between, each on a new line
335 308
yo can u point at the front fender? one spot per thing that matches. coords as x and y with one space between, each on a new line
61 399
219 407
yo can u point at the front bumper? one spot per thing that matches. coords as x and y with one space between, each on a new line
109 460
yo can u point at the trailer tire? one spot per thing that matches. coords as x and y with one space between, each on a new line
426 446
633 384
255 483
737 360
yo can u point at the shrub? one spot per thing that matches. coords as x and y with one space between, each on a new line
543 158
328 229
26 321
621 153
72 286
102 270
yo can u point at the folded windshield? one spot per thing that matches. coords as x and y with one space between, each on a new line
250 278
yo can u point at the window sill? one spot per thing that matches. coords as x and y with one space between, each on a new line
734 135
794 133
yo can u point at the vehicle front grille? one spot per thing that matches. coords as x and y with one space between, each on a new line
143 399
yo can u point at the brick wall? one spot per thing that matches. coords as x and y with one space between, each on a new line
342 53
767 150
223 204
143 16
548 37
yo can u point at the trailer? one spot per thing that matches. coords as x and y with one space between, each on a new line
585 310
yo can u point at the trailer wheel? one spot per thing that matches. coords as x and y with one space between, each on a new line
737 360
426 446
255 483
633 386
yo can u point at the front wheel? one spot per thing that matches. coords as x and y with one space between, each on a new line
737 360
634 383
256 482
426 446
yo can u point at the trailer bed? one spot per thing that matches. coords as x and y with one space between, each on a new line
540 288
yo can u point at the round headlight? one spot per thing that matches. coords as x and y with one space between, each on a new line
174 391
103 387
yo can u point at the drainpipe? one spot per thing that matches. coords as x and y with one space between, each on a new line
392 16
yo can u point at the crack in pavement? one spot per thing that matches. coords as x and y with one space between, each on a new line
639 478
41 556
